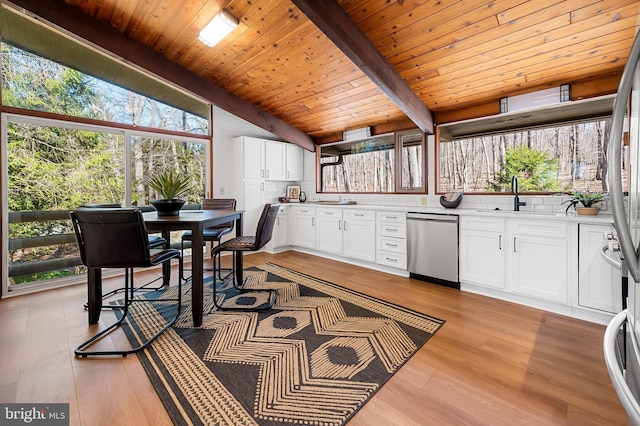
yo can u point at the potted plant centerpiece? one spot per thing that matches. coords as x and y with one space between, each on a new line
583 202
169 186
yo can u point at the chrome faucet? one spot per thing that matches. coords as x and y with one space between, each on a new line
516 200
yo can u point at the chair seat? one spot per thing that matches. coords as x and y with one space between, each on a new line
209 234
156 241
247 242
158 256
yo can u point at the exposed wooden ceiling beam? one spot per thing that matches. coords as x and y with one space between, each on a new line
336 24
76 24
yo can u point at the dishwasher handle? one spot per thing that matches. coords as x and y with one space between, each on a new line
432 216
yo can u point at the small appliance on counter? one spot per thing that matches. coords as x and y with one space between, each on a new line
303 197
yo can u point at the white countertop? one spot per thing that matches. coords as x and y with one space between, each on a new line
506 214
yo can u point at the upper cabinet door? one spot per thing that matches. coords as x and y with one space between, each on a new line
253 153
295 161
275 158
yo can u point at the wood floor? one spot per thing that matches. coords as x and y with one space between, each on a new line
492 363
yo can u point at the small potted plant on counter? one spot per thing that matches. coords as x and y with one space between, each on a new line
583 202
169 186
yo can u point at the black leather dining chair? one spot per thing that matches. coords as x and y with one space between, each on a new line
117 238
155 241
237 246
213 234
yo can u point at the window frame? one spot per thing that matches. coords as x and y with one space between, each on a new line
73 123
497 132
399 161
396 168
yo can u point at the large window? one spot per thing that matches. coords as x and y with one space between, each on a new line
52 166
32 82
381 164
558 158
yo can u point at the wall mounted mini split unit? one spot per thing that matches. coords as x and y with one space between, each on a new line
362 133
536 99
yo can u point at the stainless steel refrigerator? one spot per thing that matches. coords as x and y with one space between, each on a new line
621 349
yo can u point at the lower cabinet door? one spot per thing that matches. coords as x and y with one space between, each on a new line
304 231
538 267
359 241
482 258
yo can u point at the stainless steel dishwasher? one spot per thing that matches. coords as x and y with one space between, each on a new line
432 248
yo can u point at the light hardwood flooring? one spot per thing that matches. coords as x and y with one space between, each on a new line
492 363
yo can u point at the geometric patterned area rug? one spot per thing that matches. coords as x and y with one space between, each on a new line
315 358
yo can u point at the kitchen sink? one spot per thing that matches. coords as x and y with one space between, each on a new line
519 213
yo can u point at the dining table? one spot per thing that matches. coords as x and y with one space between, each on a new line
195 221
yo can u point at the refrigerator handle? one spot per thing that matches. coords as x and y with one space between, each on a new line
614 154
627 398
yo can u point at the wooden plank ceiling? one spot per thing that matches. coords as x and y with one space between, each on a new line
454 54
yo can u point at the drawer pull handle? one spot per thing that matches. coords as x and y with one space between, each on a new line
390 230
358 214
391 245
391 260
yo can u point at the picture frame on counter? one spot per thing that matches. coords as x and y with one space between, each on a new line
293 193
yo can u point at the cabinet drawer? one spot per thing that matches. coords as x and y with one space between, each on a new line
391 217
359 215
395 260
336 213
392 229
479 223
539 228
305 211
396 245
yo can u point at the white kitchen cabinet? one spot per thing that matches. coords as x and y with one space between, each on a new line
329 230
391 232
349 233
269 160
538 259
275 157
599 283
294 162
482 251
252 152
252 202
303 226
280 236
359 235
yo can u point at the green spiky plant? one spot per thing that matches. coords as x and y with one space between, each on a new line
170 185
586 199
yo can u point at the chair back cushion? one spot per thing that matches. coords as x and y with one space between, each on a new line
220 204
111 237
265 225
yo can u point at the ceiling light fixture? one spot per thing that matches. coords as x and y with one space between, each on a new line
221 25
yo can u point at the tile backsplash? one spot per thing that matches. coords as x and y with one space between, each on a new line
535 203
